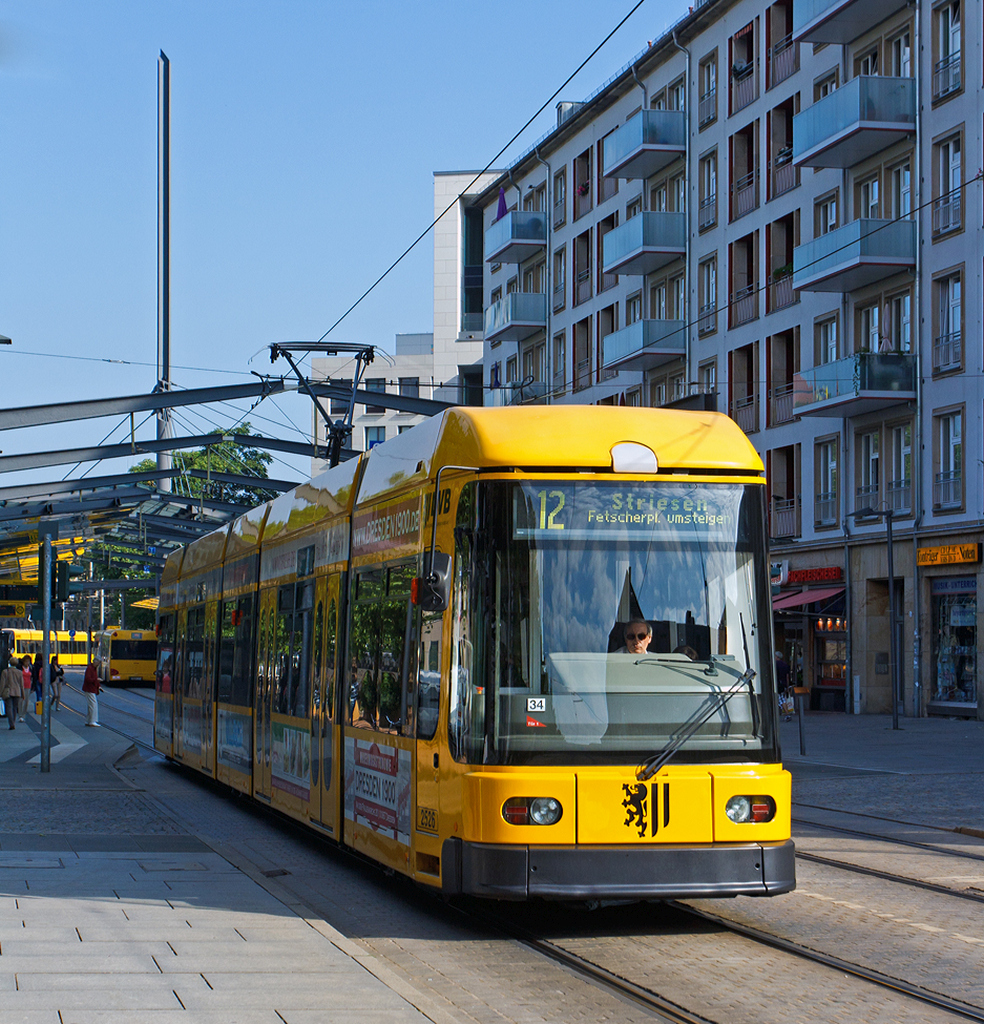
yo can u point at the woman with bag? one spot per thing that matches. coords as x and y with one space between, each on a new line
27 684
90 687
56 678
12 690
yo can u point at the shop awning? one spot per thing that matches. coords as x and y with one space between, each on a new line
804 597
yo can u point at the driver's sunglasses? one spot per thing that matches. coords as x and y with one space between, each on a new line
636 636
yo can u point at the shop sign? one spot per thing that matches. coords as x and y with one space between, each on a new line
949 554
817 575
955 585
778 574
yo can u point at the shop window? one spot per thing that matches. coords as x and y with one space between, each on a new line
954 665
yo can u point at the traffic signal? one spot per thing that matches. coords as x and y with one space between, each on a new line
64 587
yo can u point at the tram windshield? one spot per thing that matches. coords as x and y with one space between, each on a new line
600 622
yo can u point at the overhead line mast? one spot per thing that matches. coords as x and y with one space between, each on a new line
163 256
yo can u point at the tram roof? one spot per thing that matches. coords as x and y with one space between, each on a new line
556 437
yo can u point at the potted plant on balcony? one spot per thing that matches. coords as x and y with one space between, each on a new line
583 189
780 272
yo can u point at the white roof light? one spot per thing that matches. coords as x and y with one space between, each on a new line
630 457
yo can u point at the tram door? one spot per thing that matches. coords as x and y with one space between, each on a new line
209 670
264 696
180 670
324 783
426 829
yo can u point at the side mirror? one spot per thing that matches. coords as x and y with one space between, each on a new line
432 589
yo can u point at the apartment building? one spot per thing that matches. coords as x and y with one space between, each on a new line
444 365
775 211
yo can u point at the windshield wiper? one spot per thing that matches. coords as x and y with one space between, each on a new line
653 764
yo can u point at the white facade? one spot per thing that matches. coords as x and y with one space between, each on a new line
775 210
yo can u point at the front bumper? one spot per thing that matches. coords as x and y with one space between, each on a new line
617 872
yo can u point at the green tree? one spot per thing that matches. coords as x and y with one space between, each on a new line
225 457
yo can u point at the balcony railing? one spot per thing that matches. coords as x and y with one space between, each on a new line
825 509
707 107
866 496
707 320
560 211
744 86
645 243
946 76
583 202
947 352
898 495
863 382
645 144
744 305
583 285
784 518
785 174
861 118
645 344
744 411
559 295
582 375
515 237
948 489
472 321
744 195
784 60
839 21
781 404
855 255
707 213
781 293
947 213
516 316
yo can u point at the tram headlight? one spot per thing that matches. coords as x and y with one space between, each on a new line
537 810
750 808
545 810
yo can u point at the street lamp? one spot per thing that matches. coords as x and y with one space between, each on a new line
893 660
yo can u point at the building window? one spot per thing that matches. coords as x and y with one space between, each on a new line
410 387
374 436
948 481
898 331
869 335
376 384
744 80
678 298
633 208
707 83
657 393
898 490
868 199
825 85
707 296
948 205
901 50
560 198
559 279
512 369
633 308
867 63
707 378
948 336
868 476
560 360
707 184
902 192
826 341
676 95
825 503
583 198
404 427
947 77
955 647
825 215
340 406
658 302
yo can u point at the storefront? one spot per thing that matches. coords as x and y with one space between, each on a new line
954 649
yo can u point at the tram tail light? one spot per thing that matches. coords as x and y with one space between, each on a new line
742 809
537 810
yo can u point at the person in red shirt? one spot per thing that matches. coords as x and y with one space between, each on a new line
90 687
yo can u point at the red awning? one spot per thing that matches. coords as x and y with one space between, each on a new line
805 597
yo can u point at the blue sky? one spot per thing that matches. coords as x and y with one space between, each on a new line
304 139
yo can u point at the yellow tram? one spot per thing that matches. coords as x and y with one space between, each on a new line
126 655
422 654
70 645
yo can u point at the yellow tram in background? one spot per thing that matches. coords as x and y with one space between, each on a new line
70 645
126 655
421 654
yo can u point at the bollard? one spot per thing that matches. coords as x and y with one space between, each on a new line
800 693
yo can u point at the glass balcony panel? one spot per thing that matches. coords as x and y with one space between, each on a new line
863 382
516 237
516 316
645 344
861 118
646 143
839 21
645 243
855 255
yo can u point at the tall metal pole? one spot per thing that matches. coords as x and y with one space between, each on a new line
163 256
893 653
44 572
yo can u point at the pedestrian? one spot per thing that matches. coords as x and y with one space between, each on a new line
90 687
12 690
36 678
25 663
56 677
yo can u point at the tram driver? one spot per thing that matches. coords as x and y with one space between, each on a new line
638 636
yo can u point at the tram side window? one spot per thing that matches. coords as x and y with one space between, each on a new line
295 606
235 650
466 711
331 670
363 682
429 674
165 654
195 654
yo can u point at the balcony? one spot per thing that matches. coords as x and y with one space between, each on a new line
839 21
744 411
863 117
744 195
582 375
947 213
781 404
645 243
744 305
946 76
707 108
515 317
862 383
781 293
825 509
744 86
898 496
785 174
645 345
707 320
784 518
707 213
783 60
948 489
646 143
516 237
855 255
